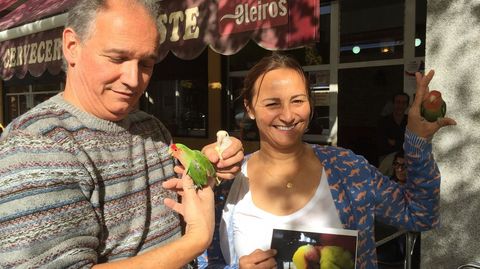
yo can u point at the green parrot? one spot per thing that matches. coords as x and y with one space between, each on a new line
433 106
197 165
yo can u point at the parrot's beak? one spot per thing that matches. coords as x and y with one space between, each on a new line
170 151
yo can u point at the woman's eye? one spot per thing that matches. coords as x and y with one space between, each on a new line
270 104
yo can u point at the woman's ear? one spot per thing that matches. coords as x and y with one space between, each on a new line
249 111
70 46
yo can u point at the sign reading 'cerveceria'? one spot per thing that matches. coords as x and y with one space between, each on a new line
33 53
240 16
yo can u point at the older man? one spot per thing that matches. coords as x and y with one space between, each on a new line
84 176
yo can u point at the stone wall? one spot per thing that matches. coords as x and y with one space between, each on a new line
453 50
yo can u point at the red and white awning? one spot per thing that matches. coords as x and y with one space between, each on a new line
187 27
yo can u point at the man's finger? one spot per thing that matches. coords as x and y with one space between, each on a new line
188 186
179 169
174 205
173 183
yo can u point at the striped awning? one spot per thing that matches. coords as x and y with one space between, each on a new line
187 27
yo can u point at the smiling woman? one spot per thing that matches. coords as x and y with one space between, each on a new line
280 107
290 183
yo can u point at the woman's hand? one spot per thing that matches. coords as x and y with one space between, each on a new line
416 123
259 259
232 159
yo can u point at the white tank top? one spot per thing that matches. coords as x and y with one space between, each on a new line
253 227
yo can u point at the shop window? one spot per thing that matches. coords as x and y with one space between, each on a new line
365 95
23 94
371 30
180 104
321 123
420 27
178 95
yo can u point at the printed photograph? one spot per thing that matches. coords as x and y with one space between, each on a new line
309 248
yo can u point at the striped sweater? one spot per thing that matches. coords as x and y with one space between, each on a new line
76 190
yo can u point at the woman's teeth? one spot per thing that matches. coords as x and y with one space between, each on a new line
286 128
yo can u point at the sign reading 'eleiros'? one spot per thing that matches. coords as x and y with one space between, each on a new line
242 16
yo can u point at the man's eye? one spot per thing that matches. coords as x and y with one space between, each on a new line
147 64
117 59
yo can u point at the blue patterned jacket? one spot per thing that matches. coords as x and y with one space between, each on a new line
362 195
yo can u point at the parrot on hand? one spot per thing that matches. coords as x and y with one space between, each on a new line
433 106
223 142
197 165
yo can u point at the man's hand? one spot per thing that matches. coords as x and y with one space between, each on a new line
416 123
196 207
232 158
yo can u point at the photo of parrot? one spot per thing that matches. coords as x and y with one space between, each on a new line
322 257
197 165
433 106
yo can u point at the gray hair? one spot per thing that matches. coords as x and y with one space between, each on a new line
82 16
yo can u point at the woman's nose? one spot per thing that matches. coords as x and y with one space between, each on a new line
287 114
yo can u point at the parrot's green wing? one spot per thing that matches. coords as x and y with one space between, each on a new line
200 169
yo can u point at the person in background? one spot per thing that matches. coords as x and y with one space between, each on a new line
398 165
291 183
391 132
393 252
86 179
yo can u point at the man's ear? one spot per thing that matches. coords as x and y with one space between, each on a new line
71 46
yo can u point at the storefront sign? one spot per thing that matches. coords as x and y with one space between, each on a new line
188 27
34 53
241 16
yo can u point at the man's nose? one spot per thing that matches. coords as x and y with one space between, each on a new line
130 74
